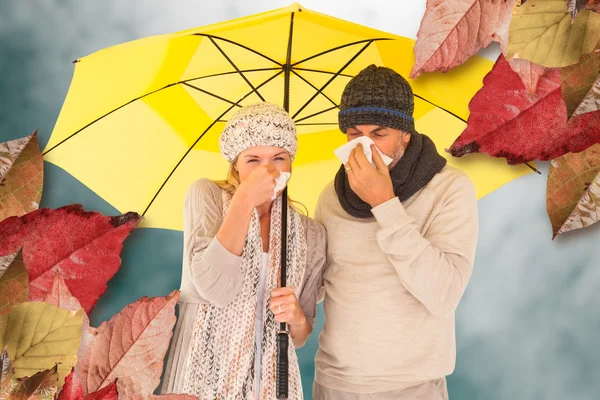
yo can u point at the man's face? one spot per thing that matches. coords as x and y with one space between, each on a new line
391 142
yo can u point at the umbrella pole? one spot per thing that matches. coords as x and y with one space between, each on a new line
283 337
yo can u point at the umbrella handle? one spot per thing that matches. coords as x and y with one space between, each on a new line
282 365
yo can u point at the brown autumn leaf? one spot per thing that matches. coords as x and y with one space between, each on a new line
577 80
574 6
41 386
573 190
593 5
130 348
14 285
591 102
21 176
5 262
451 31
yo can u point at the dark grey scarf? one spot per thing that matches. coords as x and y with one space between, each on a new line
419 164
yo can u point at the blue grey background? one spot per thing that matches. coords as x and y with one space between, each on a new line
528 325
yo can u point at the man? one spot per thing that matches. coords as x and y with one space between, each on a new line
401 246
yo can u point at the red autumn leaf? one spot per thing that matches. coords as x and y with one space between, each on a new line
130 347
14 285
453 30
529 72
577 80
505 121
21 176
573 190
83 246
106 393
72 390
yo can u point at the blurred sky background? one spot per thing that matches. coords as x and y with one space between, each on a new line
528 325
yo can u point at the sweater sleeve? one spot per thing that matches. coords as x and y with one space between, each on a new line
215 271
315 264
434 267
318 217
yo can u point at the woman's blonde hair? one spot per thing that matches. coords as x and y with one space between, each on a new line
232 182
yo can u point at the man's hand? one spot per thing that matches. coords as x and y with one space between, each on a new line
372 185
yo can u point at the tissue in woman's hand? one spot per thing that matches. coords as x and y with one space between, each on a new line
280 182
343 152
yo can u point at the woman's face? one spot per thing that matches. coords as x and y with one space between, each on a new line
252 158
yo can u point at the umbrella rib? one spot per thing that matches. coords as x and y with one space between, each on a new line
317 113
201 136
105 115
441 108
153 92
314 87
236 68
322 72
369 41
230 73
333 78
240 45
317 123
212 94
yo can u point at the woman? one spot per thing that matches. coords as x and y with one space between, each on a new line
224 345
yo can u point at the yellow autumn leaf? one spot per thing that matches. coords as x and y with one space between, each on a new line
542 31
39 335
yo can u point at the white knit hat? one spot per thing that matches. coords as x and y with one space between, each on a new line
260 124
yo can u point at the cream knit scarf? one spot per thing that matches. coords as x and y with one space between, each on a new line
220 363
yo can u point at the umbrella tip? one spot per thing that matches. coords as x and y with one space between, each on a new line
296 7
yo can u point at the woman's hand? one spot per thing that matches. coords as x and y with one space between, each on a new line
286 308
259 186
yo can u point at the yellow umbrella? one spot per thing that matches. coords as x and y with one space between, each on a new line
142 119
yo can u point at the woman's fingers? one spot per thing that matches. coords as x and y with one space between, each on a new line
282 291
287 303
285 317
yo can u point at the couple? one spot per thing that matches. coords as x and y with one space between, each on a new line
391 250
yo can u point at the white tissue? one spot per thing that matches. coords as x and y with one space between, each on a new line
280 182
343 152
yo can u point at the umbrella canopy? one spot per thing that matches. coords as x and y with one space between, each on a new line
141 120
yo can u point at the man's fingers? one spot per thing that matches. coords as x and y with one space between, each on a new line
361 158
379 161
352 163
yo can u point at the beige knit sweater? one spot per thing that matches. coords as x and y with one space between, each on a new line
392 284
